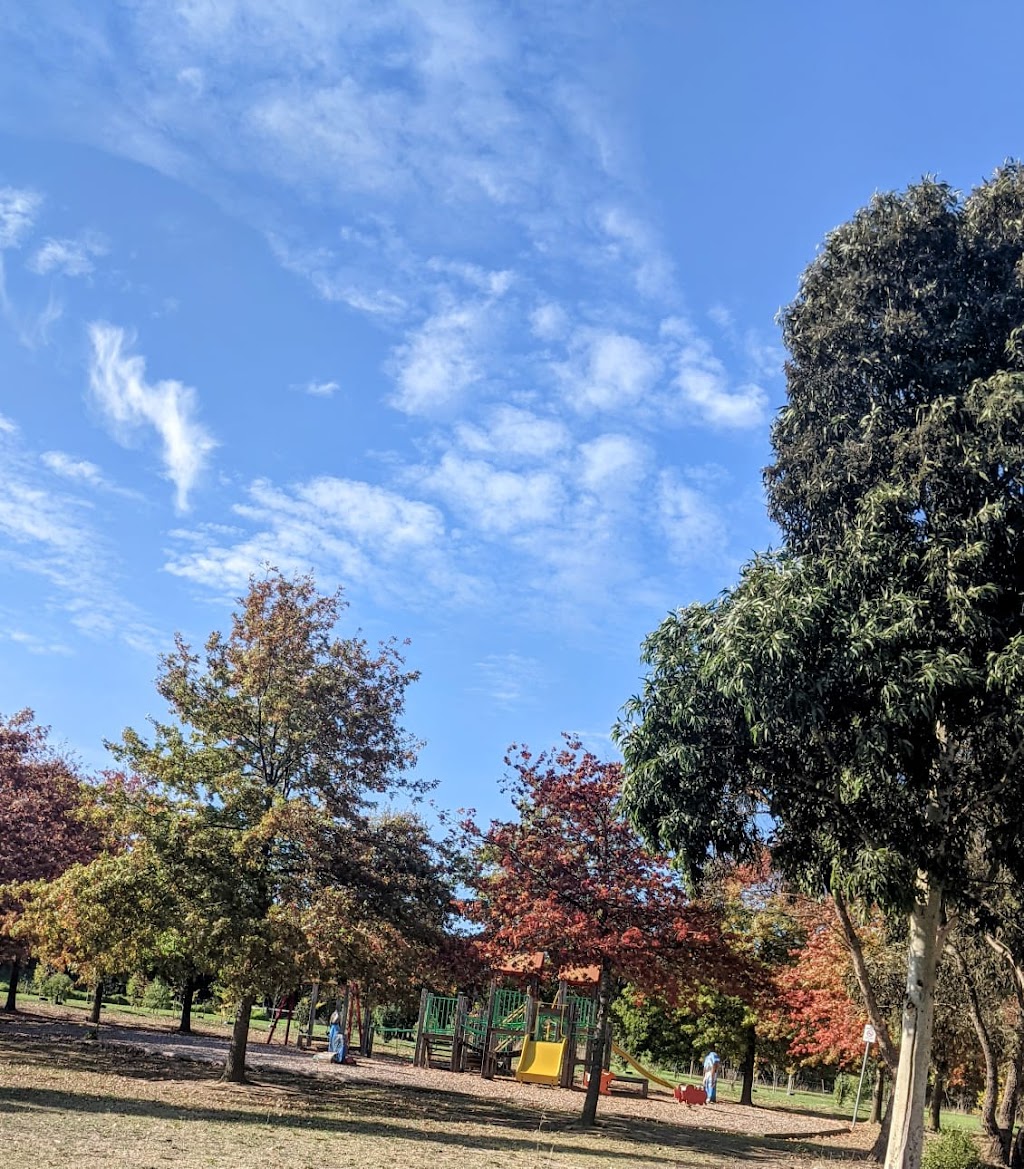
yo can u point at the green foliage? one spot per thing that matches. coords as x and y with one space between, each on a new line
52 985
136 989
952 1150
843 1089
158 996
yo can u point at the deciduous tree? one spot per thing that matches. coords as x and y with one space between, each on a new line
43 825
571 877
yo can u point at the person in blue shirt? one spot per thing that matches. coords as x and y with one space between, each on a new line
712 1063
335 1039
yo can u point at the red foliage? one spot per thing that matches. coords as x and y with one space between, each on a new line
815 994
41 832
41 829
572 878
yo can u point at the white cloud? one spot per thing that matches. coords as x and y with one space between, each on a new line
609 371
18 210
632 242
438 362
77 470
129 402
549 322
613 465
38 645
690 523
494 501
356 533
82 471
70 257
320 389
511 432
511 679
7 426
704 385
49 534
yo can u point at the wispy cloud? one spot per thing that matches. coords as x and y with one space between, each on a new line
356 533
18 210
82 471
50 535
68 257
130 404
511 680
319 389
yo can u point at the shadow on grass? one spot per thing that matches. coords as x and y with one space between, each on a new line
532 1132
353 1108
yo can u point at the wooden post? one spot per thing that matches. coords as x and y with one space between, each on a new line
459 1034
418 1050
488 1059
306 1040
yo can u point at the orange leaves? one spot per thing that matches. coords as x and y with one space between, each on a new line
572 878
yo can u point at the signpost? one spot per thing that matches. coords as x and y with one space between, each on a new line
869 1037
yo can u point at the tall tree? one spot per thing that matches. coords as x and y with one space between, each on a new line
877 662
283 736
571 877
43 825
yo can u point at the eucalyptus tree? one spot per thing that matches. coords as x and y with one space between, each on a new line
862 686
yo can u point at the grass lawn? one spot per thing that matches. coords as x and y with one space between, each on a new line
87 1105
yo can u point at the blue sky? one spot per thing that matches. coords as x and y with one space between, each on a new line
467 307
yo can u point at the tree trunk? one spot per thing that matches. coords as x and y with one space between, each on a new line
877 1096
12 988
938 1088
877 1152
1017 1152
97 1002
234 1068
993 1147
1006 1114
187 992
867 990
604 996
747 1067
791 1084
906 1136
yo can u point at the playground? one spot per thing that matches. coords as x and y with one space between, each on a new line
132 1095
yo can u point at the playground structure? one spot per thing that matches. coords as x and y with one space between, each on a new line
511 1031
354 1020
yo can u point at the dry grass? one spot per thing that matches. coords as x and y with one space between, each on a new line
77 1102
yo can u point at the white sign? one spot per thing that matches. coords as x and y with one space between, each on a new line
869 1033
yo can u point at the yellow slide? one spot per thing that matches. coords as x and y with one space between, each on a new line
541 1063
640 1068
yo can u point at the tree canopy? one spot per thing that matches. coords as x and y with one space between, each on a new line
862 686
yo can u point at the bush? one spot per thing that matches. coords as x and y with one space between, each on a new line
952 1150
136 989
55 987
157 996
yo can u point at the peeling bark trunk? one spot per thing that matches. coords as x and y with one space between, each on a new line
906 1137
12 987
604 995
747 1068
234 1067
1008 1103
187 992
97 1002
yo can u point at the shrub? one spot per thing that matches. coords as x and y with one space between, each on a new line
157 996
136 989
952 1150
55 987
